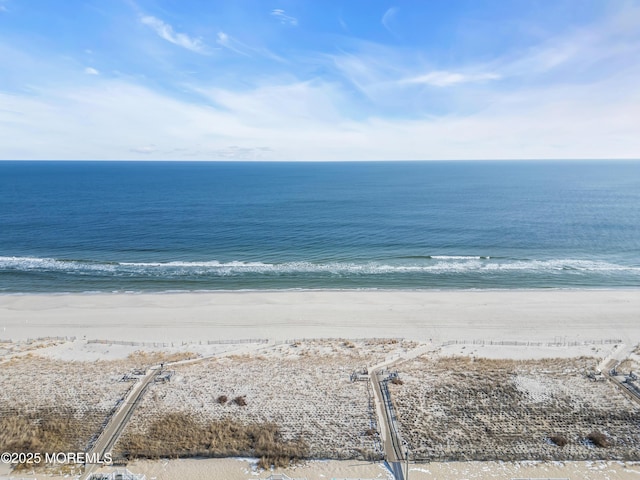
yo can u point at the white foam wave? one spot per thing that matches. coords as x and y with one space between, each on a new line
457 257
212 264
52 264
442 265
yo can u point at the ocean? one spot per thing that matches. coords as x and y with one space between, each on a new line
192 226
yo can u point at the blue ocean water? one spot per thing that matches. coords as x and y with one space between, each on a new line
167 226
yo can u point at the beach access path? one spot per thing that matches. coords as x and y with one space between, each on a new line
394 448
118 421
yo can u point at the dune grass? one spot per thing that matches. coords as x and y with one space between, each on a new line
182 435
44 431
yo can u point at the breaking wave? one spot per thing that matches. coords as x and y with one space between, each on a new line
437 264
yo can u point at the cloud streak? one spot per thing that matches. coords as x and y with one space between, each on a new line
233 44
388 18
165 31
284 18
227 41
446 79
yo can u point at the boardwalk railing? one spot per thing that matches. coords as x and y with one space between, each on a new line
336 339
539 478
171 344
531 344
40 339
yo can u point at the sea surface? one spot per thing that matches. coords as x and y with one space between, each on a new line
176 226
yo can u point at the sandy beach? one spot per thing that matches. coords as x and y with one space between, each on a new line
241 469
532 347
536 315
244 469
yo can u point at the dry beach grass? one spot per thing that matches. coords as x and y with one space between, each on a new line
465 408
298 394
49 405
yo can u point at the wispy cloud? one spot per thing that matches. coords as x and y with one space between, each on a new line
145 150
368 66
567 95
284 18
579 54
235 152
233 44
388 17
443 78
281 102
310 121
227 41
199 151
165 31
389 77
343 24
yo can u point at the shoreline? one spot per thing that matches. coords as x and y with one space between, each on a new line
536 315
312 290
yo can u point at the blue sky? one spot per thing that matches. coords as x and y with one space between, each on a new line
319 80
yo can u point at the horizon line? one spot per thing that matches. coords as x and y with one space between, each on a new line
93 160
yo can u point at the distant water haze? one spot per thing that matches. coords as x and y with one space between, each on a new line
176 226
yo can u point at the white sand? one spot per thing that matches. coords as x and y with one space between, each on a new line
244 469
422 315
241 469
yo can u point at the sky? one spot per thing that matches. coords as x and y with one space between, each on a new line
319 80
